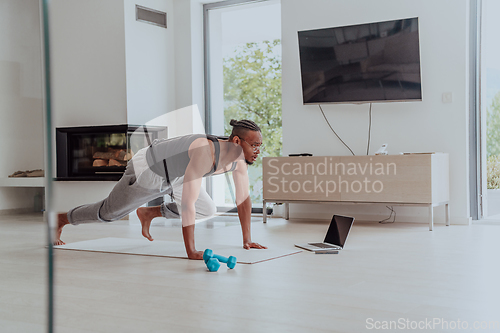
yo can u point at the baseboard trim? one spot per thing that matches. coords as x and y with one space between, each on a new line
17 211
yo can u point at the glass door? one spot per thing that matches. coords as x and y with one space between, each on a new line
490 108
243 68
25 251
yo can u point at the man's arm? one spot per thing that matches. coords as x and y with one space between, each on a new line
244 204
190 191
200 163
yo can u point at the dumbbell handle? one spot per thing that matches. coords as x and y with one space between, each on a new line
220 258
210 254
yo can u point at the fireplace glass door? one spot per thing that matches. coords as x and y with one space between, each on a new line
93 154
100 152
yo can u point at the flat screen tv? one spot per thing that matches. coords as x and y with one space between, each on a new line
372 62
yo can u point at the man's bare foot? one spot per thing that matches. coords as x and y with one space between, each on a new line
146 215
62 220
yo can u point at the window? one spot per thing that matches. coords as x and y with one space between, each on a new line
490 108
243 81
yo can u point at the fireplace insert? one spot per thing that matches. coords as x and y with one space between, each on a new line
100 152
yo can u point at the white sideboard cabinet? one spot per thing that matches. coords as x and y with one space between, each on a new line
407 179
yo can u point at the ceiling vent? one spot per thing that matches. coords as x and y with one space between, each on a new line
150 16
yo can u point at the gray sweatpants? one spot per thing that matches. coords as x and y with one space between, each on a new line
131 192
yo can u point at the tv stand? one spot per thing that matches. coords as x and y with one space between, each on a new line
420 180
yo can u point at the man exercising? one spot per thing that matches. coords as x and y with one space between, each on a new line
177 166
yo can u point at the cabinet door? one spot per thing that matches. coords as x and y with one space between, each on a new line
300 178
391 178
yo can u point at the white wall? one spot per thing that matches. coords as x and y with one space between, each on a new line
88 78
429 125
21 104
189 62
189 54
88 62
197 60
183 56
151 90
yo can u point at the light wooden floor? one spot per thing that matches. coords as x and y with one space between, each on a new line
393 272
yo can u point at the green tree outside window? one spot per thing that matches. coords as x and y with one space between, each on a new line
493 143
252 90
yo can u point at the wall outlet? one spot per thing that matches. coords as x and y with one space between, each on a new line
447 97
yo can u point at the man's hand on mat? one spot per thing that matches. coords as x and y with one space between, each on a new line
196 255
251 245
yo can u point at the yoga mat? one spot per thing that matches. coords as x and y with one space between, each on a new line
169 249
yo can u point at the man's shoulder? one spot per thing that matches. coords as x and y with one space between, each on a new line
200 141
201 146
182 139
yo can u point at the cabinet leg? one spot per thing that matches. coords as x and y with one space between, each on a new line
264 211
287 211
431 217
447 214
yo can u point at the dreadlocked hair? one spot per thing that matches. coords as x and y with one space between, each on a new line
241 127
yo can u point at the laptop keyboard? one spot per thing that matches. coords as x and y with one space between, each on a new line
322 245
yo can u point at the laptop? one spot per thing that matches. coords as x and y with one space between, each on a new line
335 238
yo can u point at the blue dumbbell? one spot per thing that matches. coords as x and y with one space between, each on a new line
209 254
213 265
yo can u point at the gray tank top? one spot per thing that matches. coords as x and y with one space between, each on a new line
169 158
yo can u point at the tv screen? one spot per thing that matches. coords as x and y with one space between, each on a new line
372 62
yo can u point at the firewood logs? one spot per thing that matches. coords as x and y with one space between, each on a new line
112 157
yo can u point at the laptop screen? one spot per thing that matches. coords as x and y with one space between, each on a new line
339 230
